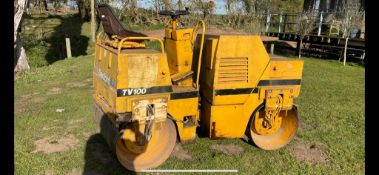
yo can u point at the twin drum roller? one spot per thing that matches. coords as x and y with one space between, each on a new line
147 100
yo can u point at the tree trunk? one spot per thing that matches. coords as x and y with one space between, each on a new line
93 25
40 7
45 5
301 43
167 5
134 8
156 6
84 9
180 5
79 3
345 52
20 61
362 36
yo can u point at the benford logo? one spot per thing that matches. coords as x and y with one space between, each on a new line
105 78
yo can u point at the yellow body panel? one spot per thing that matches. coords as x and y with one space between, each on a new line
179 52
180 108
237 76
241 47
138 69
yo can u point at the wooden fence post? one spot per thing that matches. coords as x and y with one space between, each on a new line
320 24
298 47
280 21
68 47
285 23
268 21
272 48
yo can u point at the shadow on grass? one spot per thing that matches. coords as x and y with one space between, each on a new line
70 27
281 48
99 158
44 38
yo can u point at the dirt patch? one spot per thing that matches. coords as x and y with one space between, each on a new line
38 99
19 107
22 103
74 172
74 123
181 153
29 95
306 126
87 135
308 153
53 144
49 173
228 149
76 84
88 80
54 90
155 33
71 122
26 96
45 128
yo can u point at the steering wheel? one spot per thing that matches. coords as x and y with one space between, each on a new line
174 14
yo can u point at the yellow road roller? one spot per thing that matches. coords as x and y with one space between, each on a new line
146 100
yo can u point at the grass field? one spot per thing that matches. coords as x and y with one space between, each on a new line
43 37
55 133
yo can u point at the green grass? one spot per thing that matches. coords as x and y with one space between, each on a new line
139 27
43 37
331 100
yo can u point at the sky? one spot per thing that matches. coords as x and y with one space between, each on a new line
220 5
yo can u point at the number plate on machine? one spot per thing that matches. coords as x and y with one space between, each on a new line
149 109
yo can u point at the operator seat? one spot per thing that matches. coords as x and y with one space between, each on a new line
112 26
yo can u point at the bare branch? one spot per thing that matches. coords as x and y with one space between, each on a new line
352 16
306 23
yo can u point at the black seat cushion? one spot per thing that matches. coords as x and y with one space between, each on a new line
112 25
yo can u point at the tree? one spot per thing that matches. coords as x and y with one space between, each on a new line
56 5
37 4
157 5
306 23
167 5
248 4
353 16
229 5
207 7
45 5
84 7
134 11
180 4
20 59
